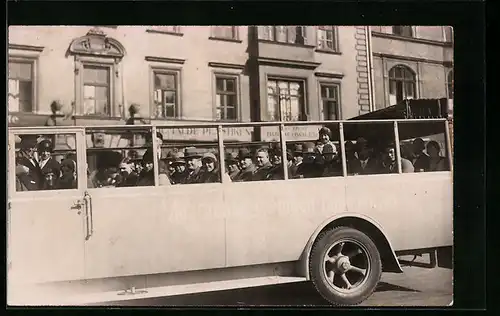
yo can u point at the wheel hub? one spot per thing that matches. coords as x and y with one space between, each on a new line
343 264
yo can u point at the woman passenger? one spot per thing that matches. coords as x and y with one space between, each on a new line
68 174
436 161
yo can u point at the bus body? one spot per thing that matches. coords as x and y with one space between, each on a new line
96 245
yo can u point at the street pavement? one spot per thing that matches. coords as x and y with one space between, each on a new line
415 287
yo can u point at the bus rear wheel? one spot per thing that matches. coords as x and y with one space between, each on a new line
345 266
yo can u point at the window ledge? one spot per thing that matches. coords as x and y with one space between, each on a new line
213 38
412 39
164 32
97 117
327 51
286 43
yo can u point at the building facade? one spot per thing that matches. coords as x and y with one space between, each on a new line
188 73
411 62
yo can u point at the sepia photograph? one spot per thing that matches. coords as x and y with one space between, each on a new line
233 165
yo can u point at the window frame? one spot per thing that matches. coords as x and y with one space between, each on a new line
303 82
110 91
177 72
215 36
165 29
272 29
237 81
403 80
409 27
12 58
449 84
337 85
334 30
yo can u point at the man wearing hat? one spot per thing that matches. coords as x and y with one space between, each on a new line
179 164
147 177
193 163
232 166
297 160
27 168
364 163
246 164
310 166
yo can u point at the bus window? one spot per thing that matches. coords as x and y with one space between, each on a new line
315 151
189 155
370 148
424 144
250 159
45 162
119 157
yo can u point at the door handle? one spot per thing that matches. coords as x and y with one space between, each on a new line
88 215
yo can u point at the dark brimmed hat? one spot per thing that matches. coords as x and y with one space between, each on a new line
28 142
244 153
192 152
45 145
361 143
298 149
178 159
308 148
230 158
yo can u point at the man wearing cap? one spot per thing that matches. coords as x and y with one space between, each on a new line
310 166
246 164
421 160
27 168
46 162
232 166
179 164
193 162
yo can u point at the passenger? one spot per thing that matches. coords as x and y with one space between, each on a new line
232 166
420 159
436 161
169 160
48 165
210 172
350 157
276 173
147 176
129 177
264 165
68 178
50 178
297 160
246 164
27 168
276 158
325 138
180 174
365 162
332 167
193 162
310 166
389 165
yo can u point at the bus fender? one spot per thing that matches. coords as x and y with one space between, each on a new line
351 219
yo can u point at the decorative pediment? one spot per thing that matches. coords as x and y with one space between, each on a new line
97 43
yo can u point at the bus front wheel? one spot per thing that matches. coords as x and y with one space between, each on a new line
345 266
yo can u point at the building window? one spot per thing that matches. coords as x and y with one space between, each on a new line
284 34
285 100
402 31
330 101
327 38
402 84
450 84
226 32
174 29
226 98
21 86
96 90
166 94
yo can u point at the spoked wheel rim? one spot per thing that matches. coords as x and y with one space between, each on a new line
346 265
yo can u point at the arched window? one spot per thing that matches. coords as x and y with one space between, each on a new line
449 80
402 84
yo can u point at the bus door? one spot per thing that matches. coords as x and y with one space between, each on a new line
120 182
47 209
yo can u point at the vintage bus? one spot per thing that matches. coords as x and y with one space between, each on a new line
94 239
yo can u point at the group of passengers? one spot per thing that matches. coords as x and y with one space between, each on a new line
37 169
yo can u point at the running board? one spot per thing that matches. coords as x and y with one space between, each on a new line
165 291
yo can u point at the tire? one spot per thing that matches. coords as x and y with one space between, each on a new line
366 256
